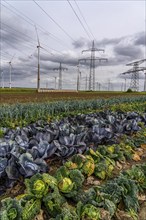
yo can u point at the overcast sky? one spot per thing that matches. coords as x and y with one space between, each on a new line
116 26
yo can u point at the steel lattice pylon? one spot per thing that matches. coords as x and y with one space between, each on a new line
92 60
134 85
60 69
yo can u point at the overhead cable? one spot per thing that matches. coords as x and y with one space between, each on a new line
79 20
31 22
52 19
14 35
84 19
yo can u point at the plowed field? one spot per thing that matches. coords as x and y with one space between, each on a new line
18 96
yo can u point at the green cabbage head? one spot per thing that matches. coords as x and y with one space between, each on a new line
65 185
90 212
37 186
11 210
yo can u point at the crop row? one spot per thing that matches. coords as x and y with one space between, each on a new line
54 193
22 114
24 151
62 195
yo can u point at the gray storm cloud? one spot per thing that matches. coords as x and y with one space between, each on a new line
79 43
131 52
10 38
107 41
141 39
82 42
25 66
136 39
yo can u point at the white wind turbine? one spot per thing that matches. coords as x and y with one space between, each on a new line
2 79
10 71
38 47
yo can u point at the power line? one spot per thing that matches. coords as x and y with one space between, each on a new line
21 13
11 45
79 20
14 35
15 12
4 57
32 23
6 53
65 32
53 49
28 46
21 51
84 19
16 38
17 31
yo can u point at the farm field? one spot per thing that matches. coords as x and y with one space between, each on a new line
73 110
73 159
11 96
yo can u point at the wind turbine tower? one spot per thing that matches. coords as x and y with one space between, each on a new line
78 79
55 78
38 47
86 83
2 79
125 84
10 72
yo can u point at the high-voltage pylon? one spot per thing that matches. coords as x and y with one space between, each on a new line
145 82
92 60
134 85
60 69
98 88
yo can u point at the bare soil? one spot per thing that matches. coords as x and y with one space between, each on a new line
26 97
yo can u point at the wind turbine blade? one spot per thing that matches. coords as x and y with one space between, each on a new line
42 47
12 66
37 36
46 50
12 58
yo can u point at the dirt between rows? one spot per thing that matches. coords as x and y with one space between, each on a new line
12 98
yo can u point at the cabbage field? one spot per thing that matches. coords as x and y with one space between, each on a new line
73 160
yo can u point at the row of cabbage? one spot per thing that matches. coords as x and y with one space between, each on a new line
24 151
54 193
22 114
62 196
100 163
